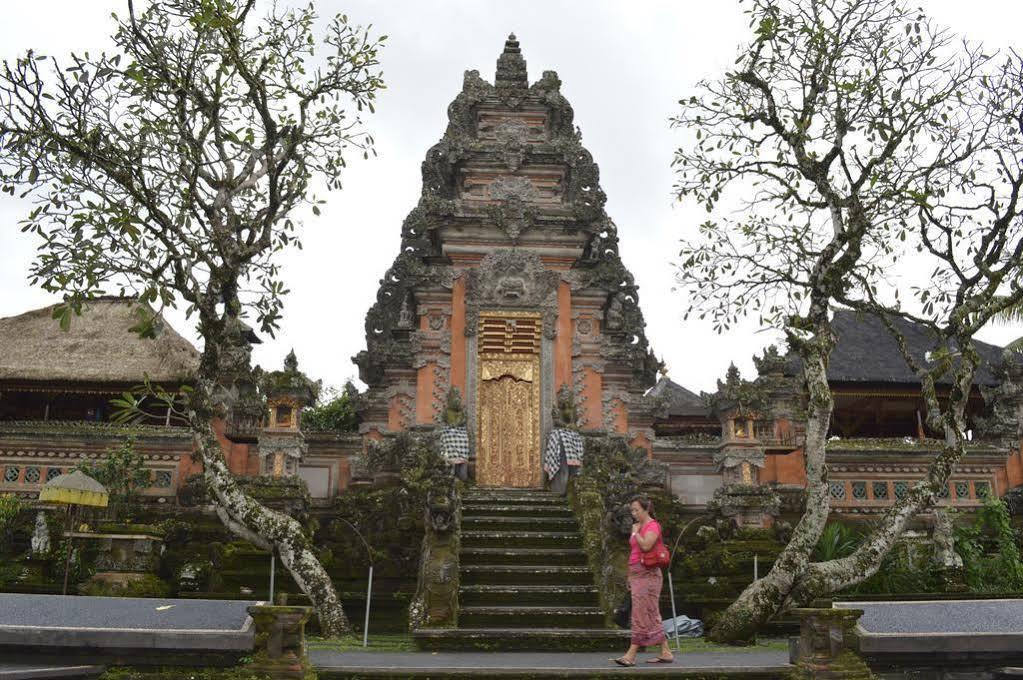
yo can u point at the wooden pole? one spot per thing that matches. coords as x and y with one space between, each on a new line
369 596
67 557
273 568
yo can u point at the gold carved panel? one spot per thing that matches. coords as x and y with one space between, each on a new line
508 415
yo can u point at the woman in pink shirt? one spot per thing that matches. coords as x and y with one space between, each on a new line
645 587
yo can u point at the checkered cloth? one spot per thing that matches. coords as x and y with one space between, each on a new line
454 445
562 446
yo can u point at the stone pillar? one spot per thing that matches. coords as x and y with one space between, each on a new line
279 647
827 645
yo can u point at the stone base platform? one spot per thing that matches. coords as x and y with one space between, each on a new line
941 639
122 630
331 665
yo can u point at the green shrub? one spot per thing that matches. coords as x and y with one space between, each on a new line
10 506
122 470
836 541
333 412
991 529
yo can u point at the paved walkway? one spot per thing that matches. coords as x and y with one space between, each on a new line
582 664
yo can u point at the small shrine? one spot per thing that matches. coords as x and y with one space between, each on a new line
281 445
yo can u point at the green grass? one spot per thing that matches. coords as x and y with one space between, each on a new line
378 642
401 642
702 645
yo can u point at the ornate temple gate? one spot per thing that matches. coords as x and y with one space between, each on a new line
508 398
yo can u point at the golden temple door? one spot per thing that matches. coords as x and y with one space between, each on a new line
508 400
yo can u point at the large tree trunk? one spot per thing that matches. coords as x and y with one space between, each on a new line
262 526
763 598
794 580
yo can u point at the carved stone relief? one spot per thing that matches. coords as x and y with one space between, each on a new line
512 280
511 139
506 188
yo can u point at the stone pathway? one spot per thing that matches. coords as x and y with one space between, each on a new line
767 663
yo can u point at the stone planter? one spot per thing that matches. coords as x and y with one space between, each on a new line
121 552
279 647
125 563
827 645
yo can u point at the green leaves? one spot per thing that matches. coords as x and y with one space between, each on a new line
136 199
62 312
765 29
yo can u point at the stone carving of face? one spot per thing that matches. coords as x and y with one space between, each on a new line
511 288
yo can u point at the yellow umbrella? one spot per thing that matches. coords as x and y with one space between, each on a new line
74 488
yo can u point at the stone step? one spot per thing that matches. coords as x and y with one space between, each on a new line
523 556
503 574
533 497
507 595
521 539
521 639
499 523
531 617
516 510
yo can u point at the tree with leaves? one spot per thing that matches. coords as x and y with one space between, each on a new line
172 168
335 410
122 470
862 145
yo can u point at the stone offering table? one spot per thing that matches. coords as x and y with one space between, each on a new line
125 630
940 638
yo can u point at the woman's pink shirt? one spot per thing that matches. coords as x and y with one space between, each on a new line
636 555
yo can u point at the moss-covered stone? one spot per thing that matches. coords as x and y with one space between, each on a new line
279 645
139 585
177 673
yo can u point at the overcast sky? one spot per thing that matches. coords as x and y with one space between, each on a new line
623 66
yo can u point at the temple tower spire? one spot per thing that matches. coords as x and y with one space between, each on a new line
511 79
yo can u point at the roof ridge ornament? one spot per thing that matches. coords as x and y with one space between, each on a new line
511 79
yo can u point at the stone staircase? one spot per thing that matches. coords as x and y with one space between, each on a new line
524 583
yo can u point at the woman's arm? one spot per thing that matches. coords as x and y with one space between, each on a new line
648 538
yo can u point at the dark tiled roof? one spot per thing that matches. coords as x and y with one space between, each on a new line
867 352
681 402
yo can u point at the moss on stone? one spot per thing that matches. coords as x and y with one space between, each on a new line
177 673
145 585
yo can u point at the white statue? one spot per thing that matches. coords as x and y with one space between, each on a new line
41 536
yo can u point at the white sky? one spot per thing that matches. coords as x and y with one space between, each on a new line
623 66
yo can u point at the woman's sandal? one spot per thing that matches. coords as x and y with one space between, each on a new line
661 659
622 661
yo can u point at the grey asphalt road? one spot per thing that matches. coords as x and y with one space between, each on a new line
121 613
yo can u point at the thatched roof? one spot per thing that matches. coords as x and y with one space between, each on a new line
97 348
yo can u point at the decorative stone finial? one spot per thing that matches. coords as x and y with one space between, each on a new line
511 79
291 362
